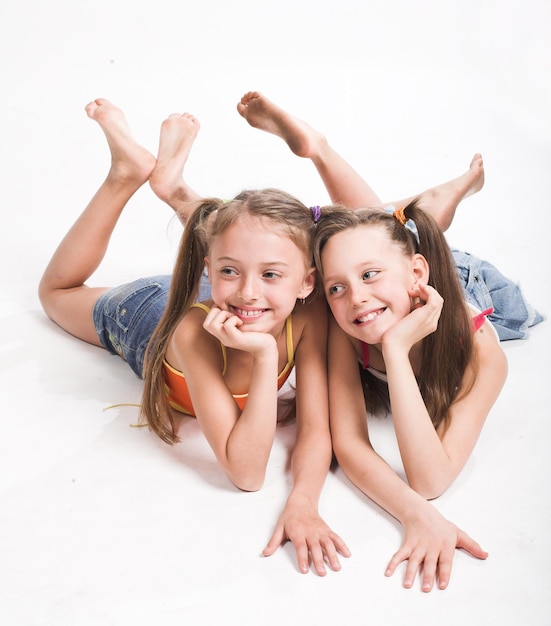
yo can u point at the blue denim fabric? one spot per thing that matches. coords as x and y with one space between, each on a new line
485 286
126 316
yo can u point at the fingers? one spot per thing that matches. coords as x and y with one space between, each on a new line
416 561
302 559
224 326
470 545
218 319
276 540
427 295
320 553
431 564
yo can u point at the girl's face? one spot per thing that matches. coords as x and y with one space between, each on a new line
257 273
367 279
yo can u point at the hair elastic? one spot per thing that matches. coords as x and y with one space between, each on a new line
316 213
408 223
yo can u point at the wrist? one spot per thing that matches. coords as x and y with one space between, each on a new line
300 498
418 509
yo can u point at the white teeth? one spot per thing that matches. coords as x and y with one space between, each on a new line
247 313
368 317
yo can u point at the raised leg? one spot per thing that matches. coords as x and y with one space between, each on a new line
442 201
63 293
178 133
344 185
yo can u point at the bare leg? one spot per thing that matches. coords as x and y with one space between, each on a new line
442 201
344 185
178 133
63 294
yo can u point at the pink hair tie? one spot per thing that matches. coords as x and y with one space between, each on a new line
316 213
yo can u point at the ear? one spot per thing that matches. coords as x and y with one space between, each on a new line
207 265
308 284
420 269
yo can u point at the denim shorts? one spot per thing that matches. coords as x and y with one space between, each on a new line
126 316
485 286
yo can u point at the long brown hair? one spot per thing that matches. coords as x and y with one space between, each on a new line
209 220
446 352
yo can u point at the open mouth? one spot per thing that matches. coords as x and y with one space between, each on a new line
369 317
248 313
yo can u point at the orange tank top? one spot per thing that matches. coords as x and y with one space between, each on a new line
176 389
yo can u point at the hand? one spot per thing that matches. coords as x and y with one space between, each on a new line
431 541
226 328
421 321
310 535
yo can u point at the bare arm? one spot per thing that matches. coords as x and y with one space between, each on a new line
430 540
300 521
433 459
241 440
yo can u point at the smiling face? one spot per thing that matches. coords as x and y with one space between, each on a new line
366 278
257 273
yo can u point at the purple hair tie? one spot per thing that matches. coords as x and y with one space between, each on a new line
316 213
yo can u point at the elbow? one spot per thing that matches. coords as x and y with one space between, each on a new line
340 451
348 458
429 489
431 494
247 482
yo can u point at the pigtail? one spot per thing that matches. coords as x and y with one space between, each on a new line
448 351
184 288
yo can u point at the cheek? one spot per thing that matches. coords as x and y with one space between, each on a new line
403 303
218 290
338 310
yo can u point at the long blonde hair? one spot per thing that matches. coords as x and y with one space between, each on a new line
211 218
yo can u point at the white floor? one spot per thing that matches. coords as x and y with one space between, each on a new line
100 523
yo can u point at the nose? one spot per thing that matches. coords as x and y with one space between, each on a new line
358 294
248 289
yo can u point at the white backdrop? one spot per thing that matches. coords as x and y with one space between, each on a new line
100 523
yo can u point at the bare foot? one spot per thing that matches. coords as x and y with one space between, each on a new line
442 201
130 162
261 113
178 133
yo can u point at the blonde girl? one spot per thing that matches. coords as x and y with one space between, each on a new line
223 359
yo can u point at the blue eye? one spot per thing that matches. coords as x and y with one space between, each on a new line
369 274
334 289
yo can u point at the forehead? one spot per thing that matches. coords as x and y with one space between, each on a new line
255 237
365 241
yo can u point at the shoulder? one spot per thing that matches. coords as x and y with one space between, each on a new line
310 318
484 334
487 350
311 311
191 325
191 341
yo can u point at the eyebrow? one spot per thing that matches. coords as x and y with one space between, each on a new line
264 263
362 266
